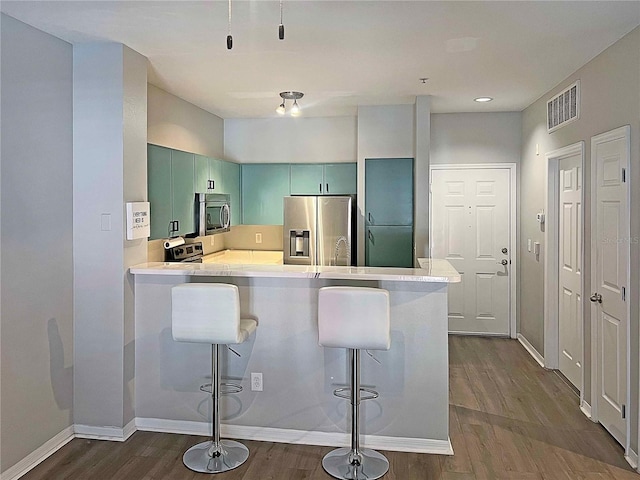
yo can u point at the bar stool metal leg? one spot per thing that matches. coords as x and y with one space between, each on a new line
355 463
215 455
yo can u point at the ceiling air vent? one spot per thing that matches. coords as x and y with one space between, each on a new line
564 108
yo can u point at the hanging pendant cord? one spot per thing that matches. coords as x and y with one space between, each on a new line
281 26
229 37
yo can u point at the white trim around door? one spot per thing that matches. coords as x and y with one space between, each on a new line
552 259
511 167
621 133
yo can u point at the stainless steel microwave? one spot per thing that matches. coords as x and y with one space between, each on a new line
214 213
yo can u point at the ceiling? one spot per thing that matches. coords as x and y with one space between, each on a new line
343 54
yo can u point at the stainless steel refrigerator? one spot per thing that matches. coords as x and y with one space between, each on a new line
319 230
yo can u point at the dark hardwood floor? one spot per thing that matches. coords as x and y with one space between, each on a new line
510 419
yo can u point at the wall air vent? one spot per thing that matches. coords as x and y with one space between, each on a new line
564 108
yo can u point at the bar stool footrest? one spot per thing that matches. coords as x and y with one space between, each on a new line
345 392
225 388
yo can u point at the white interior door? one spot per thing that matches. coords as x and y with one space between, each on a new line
610 158
570 269
470 227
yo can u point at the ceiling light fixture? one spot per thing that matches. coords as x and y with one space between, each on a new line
295 108
229 37
482 99
281 26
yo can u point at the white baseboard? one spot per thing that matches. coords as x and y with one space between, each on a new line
263 434
632 459
586 409
39 455
282 435
113 434
532 351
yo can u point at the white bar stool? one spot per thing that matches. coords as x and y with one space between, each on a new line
355 318
210 313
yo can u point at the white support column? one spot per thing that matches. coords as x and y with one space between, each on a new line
109 166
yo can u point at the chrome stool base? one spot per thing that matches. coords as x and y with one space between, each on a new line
200 458
339 464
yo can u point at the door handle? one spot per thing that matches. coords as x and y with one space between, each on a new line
327 189
370 235
505 251
320 187
504 261
596 297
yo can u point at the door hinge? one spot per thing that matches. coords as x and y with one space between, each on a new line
624 175
624 294
624 411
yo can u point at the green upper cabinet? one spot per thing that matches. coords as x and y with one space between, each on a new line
231 184
388 189
182 192
171 195
340 178
324 179
307 179
159 183
208 175
264 185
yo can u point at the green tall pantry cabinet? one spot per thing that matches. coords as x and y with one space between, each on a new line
389 212
171 174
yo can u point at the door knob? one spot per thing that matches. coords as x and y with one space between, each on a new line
505 251
596 297
504 261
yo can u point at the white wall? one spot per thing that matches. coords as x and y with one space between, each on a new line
109 161
36 242
461 138
176 123
290 140
610 98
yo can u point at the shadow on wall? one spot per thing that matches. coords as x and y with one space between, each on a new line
61 376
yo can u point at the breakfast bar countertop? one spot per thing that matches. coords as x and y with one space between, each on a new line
432 271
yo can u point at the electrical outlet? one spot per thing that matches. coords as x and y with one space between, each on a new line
258 238
256 382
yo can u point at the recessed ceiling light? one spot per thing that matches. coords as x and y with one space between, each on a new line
483 99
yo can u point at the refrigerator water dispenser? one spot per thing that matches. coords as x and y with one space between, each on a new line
299 243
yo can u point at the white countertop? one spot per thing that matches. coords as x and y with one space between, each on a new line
433 270
245 257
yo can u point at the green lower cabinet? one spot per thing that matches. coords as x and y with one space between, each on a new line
340 178
389 246
230 177
264 185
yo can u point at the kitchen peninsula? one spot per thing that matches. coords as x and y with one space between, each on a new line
296 404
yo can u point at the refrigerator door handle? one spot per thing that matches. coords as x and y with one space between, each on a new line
370 235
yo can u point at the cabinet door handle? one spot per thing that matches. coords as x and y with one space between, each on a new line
369 217
213 184
320 187
370 235
327 187
177 225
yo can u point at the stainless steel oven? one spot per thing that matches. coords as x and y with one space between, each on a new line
214 213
